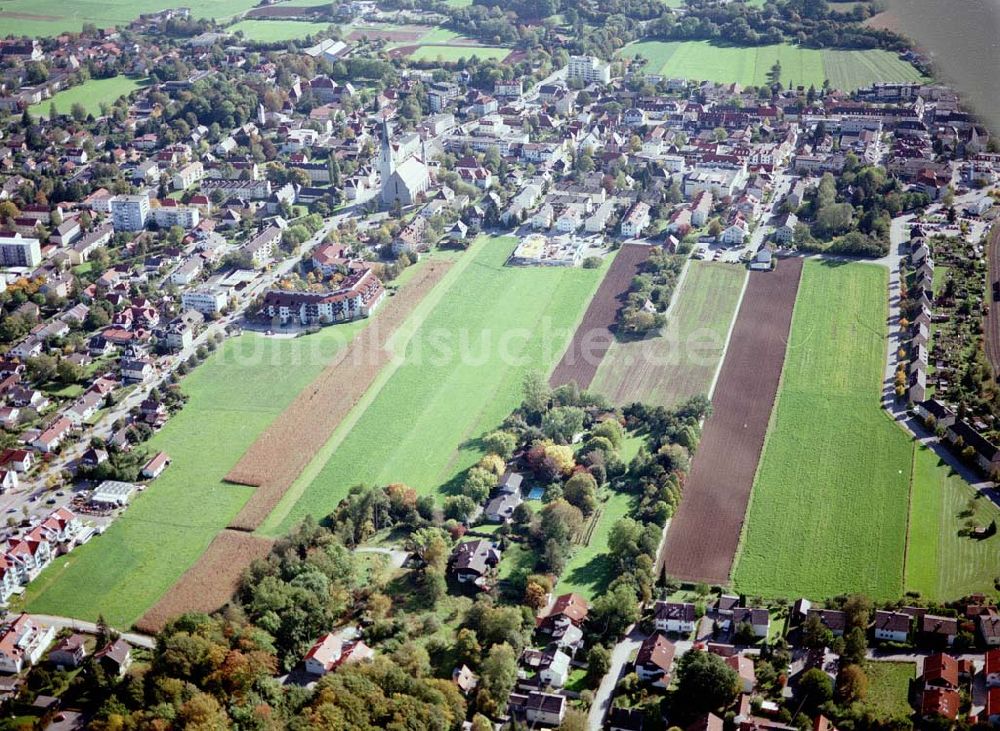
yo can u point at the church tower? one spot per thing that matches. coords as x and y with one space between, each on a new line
386 160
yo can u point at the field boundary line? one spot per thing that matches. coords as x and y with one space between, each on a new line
909 511
397 344
767 434
729 335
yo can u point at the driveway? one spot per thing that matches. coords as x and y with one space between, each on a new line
619 664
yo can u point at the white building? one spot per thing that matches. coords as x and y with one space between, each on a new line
130 212
22 644
189 175
113 493
636 220
184 216
205 301
17 251
589 70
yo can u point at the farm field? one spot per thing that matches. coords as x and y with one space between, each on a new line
52 17
701 60
940 563
682 361
269 465
460 376
705 532
234 395
593 338
590 568
450 54
275 31
835 466
91 94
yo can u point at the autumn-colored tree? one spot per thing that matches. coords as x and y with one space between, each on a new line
852 685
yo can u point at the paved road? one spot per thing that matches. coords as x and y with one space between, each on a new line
132 638
619 665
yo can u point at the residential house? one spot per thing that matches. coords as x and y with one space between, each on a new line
784 231
743 666
472 561
330 652
54 435
675 617
833 619
655 659
940 671
69 652
636 220
22 643
759 620
891 626
115 658
154 467
552 665
991 668
938 631
544 709
939 702
465 679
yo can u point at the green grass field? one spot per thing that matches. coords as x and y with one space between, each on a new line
888 689
91 94
681 362
461 375
749 66
52 17
828 509
940 563
590 569
451 54
276 31
234 395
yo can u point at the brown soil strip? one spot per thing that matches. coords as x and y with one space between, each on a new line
281 452
991 326
594 336
211 582
705 533
284 11
398 35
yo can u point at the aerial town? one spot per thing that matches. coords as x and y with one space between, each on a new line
491 365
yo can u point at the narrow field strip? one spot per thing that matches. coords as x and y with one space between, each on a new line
836 468
278 456
705 532
667 368
594 335
211 582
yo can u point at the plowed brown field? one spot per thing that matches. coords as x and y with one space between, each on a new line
991 329
283 450
705 533
211 582
593 337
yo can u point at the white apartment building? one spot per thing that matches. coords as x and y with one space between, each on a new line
589 70
130 212
184 216
205 301
17 251
189 175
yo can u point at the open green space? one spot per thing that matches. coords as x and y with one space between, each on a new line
234 395
749 65
52 17
590 569
681 362
91 94
459 377
888 689
942 562
451 54
828 509
275 31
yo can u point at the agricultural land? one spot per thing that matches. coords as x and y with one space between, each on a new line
942 560
91 94
702 60
275 31
835 467
460 376
682 360
594 336
704 534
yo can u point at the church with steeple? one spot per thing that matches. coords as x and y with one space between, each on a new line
403 172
